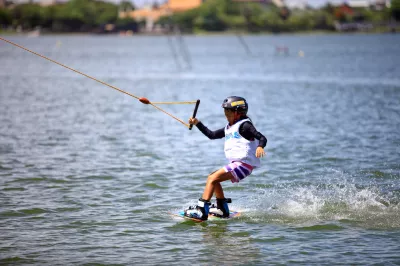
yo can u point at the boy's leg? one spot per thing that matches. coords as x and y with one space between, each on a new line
213 184
237 171
201 210
218 191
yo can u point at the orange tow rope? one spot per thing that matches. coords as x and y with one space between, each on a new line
141 99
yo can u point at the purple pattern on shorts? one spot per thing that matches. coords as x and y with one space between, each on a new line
239 170
238 173
228 168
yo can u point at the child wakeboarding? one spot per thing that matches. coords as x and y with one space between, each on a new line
244 146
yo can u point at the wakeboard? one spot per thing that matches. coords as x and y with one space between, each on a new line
232 214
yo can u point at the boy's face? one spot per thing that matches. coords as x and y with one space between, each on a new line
231 115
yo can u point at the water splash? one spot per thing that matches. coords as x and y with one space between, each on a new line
337 199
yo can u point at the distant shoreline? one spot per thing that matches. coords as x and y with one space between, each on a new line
225 33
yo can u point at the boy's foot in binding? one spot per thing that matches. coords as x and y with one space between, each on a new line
221 209
199 211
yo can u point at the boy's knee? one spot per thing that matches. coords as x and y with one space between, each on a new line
212 179
215 177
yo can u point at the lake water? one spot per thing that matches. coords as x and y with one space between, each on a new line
89 175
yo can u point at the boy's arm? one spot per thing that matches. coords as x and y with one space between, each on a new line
217 134
249 132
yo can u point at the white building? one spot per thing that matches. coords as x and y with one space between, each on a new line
369 3
300 4
51 2
41 2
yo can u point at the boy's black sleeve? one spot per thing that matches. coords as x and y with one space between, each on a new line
249 132
217 134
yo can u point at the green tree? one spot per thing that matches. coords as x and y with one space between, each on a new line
328 8
210 16
395 8
106 12
230 15
323 20
5 17
302 21
27 15
272 21
253 15
85 15
185 20
126 6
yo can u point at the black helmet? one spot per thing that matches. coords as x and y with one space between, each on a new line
236 103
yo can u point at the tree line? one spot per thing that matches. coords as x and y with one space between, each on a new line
212 15
72 16
222 15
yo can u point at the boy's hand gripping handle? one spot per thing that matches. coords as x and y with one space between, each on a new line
194 113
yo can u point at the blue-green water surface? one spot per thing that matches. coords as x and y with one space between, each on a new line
89 175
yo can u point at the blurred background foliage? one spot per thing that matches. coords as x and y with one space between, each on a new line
73 16
212 16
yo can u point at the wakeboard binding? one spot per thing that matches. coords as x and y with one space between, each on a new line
199 211
221 209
